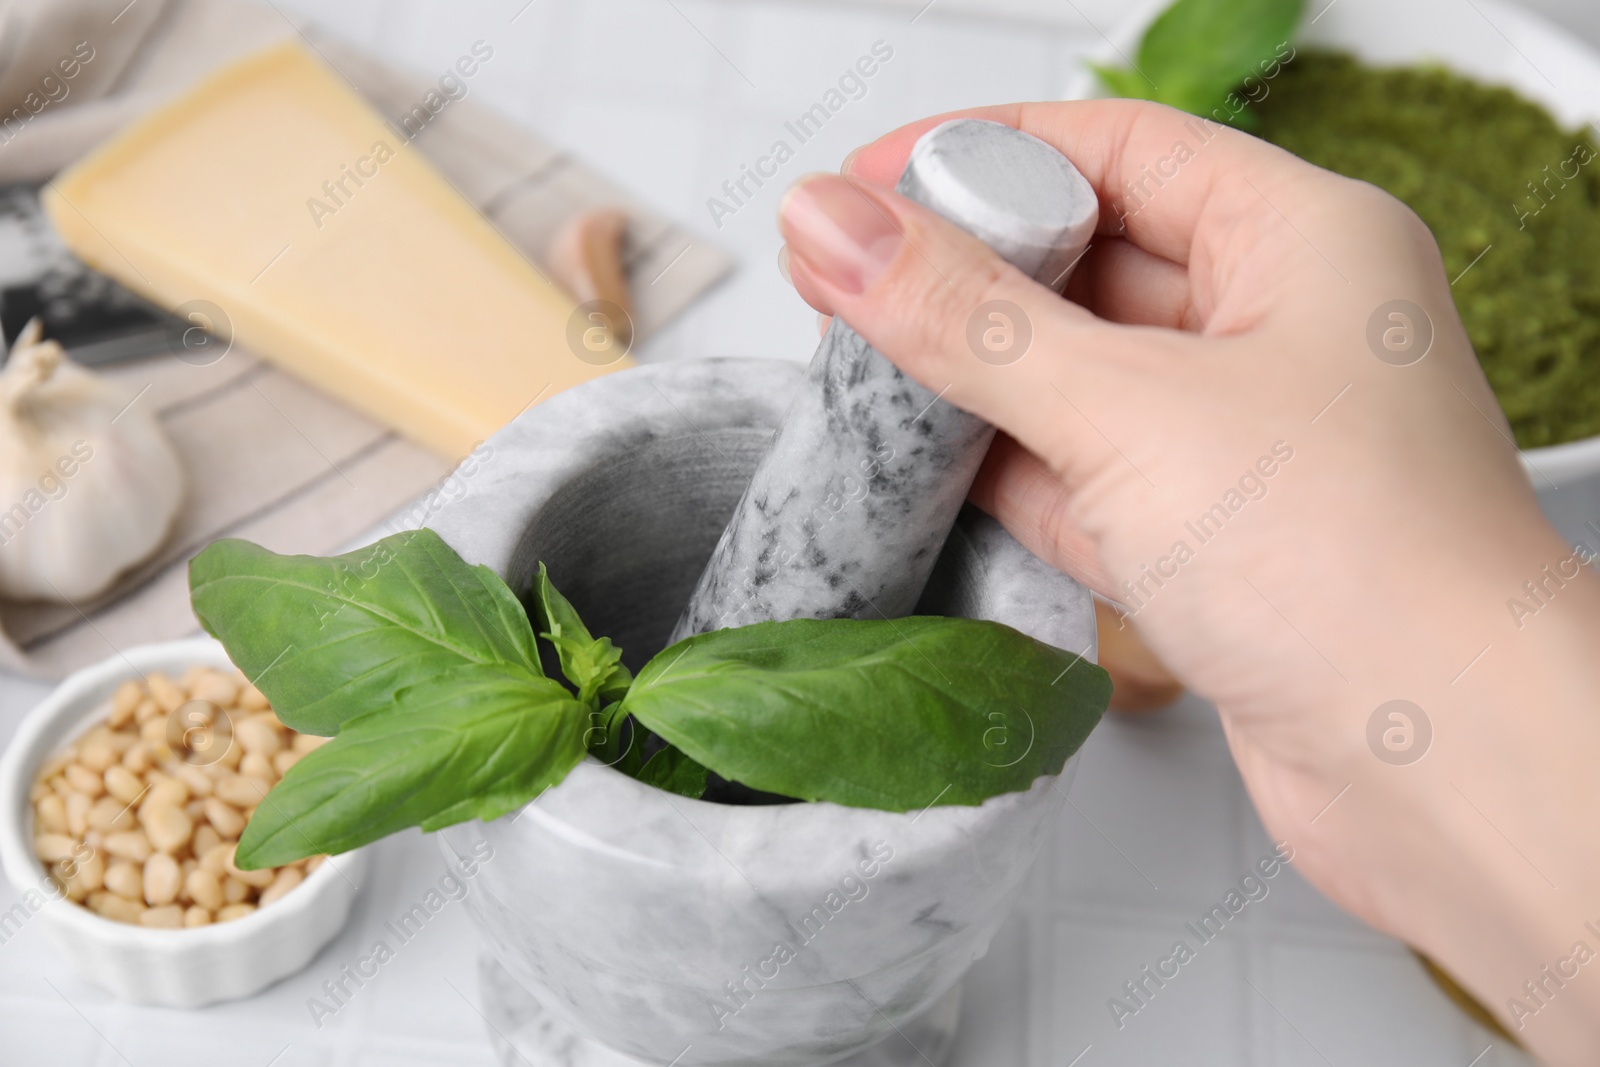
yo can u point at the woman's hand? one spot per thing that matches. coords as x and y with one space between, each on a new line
1258 424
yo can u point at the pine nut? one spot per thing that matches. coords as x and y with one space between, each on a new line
287 878
200 785
111 815
169 917
234 891
85 781
161 880
257 735
205 837
216 859
234 911
196 916
125 880
255 765
164 793
204 889
52 848
124 702
97 757
123 784
215 687
153 732
91 873
115 906
165 692
78 805
242 791
227 821
137 758
131 845
168 827
50 813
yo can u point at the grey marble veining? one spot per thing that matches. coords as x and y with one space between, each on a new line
638 927
786 936
519 1022
846 514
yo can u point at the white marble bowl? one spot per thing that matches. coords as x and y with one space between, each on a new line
651 928
1489 40
172 968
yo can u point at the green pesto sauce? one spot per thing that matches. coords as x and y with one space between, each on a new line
1483 167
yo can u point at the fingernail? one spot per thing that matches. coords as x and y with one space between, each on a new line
843 234
783 263
844 168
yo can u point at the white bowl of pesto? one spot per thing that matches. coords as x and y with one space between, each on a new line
1489 41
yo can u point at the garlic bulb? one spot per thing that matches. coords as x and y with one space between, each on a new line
87 489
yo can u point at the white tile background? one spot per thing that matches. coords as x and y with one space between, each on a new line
669 99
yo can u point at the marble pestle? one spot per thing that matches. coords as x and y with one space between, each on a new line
847 512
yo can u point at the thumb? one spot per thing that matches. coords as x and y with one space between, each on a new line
945 309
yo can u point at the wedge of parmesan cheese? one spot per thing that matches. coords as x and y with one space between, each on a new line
276 201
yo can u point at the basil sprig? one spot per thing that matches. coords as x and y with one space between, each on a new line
426 673
593 665
1198 51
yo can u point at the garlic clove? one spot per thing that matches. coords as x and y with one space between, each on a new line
89 485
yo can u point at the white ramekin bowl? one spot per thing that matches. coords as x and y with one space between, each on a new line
1489 40
174 968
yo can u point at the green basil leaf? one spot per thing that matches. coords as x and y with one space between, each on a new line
474 742
897 714
675 772
1197 51
632 759
329 639
594 666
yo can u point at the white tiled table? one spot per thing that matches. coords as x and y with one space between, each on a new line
670 99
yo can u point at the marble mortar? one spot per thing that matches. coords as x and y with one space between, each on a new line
631 926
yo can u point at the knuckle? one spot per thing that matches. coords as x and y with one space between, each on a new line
935 306
1390 223
1385 210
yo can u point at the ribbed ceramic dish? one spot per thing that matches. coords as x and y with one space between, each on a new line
173 968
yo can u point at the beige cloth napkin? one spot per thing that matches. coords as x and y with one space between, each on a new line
268 457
